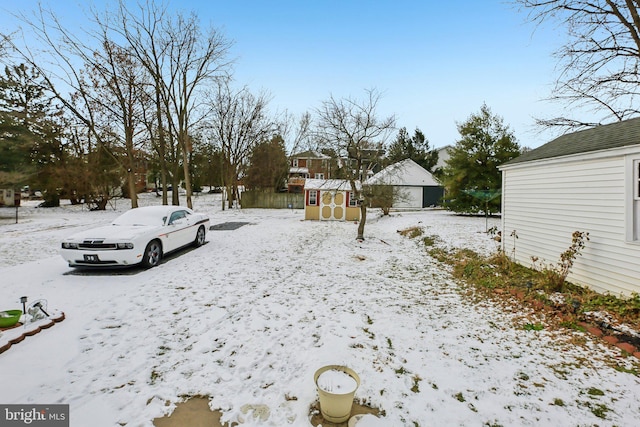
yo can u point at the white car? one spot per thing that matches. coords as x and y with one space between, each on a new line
139 236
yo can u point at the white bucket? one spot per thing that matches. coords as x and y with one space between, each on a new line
336 404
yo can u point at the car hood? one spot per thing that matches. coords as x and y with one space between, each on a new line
113 232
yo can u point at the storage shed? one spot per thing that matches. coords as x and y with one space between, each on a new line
330 199
9 197
585 181
417 187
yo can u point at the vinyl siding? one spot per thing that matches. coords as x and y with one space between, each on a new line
546 202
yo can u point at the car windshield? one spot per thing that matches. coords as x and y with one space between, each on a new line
141 217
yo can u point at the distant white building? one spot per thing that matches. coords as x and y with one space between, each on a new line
9 197
417 186
444 154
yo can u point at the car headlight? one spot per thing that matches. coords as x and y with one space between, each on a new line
69 245
125 245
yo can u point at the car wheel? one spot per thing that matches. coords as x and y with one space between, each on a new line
200 236
152 254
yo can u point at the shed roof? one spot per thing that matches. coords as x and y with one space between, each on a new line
405 172
604 137
329 184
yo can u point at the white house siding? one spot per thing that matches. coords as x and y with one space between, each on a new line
546 201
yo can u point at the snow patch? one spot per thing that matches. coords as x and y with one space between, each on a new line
249 317
336 382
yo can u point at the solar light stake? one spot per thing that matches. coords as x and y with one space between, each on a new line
23 300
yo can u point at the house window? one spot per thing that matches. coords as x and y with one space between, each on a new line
319 176
313 197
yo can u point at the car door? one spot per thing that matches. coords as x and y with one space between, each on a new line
179 233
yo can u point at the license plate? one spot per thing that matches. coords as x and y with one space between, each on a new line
91 258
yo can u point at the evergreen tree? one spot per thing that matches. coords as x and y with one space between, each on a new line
15 140
30 131
471 177
205 165
415 148
268 165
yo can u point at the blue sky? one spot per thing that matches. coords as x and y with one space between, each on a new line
436 62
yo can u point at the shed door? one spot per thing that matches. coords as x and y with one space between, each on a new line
332 205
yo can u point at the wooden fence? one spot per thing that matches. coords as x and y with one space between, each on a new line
259 199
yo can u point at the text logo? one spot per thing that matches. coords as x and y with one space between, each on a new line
34 415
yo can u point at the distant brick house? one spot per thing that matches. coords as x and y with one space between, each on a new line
308 164
141 171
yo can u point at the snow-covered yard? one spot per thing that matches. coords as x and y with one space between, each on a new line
250 316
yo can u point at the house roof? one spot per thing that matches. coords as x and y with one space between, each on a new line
405 172
310 154
329 184
604 137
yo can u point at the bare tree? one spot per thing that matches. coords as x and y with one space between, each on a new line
119 81
600 60
353 130
4 44
183 60
384 196
297 135
144 33
238 121
194 60
95 80
176 55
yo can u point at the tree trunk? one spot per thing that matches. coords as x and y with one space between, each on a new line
186 150
231 185
236 193
164 182
133 195
161 147
175 188
175 178
363 207
187 177
131 164
363 220
229 196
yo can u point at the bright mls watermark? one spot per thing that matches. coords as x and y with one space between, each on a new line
34 415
